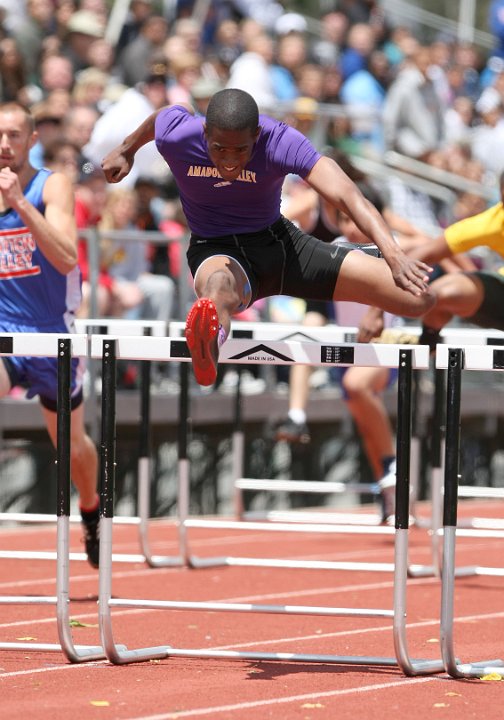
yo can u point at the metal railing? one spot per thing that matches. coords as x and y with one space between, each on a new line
93 237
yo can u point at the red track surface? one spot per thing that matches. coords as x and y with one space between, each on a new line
47 686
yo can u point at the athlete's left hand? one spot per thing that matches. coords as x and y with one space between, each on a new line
410 274
10 187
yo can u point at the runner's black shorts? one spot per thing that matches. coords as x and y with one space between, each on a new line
279 260
490 313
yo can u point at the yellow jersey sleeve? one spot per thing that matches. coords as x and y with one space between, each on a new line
486 228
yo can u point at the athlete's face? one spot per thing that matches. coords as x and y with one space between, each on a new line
350 230
16 139
230 150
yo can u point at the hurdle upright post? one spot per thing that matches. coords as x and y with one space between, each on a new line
115 653
409 666
63 474
144 453
238 446
452 476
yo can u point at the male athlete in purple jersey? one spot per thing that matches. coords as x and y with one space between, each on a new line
229 168
39 290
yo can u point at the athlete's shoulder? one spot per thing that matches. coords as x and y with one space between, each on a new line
174 116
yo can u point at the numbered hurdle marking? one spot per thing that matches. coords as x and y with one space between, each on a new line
455 360
63 347
152 348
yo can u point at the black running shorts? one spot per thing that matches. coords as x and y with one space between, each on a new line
279 260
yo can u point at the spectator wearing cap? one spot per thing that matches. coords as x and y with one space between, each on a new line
136 58
89 87
291 54
48 123
290 22
83 28
201 92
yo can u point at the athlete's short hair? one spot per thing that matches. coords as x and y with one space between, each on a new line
232 109
13 106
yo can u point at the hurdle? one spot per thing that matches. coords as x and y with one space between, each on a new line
455 337
132 328
153 348
271 331
455 360
138 328
63 347
242 352
361 523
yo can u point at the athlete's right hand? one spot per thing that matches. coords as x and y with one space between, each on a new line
116 166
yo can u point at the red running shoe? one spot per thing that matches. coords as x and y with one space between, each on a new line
202 326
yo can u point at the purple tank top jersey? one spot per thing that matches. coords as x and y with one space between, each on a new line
214 207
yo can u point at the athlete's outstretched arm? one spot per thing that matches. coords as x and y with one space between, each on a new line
119 161
327 178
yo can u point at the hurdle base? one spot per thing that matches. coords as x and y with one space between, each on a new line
479 669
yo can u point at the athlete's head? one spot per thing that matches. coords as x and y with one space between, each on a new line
231 129
348 226
17 135
232 109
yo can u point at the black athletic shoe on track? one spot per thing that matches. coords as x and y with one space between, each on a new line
91 528
292 432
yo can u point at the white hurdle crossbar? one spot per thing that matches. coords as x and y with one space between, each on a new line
241 351
63 347
455 360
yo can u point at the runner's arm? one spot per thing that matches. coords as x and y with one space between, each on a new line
327 178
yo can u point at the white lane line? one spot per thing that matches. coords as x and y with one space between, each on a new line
348 556
300 638
238 707
54 668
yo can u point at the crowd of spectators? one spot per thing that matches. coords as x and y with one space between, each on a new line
352 81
